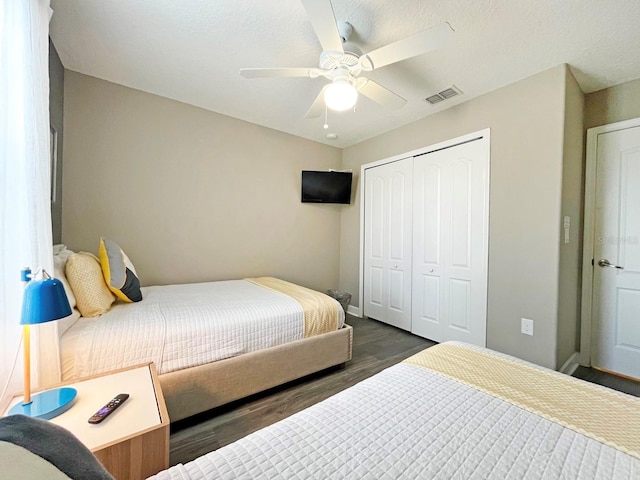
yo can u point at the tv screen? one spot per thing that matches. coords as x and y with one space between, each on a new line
326 187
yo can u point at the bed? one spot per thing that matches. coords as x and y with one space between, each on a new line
212 342
453 411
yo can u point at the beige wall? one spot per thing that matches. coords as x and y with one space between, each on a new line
572 206
527 129
614 104
189 194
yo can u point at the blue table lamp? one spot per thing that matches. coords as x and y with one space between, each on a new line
44 301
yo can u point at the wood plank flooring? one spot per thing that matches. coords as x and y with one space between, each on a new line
376 346
621 384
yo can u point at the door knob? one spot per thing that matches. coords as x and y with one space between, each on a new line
603 262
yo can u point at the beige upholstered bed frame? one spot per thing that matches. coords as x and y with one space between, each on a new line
197 389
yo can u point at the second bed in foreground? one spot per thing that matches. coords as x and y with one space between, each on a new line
451 412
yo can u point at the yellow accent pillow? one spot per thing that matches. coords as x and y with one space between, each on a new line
119 272
84 274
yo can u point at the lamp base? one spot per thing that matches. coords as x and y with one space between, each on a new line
47 405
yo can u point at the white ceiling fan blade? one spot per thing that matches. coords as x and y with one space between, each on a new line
278 72
320 12
422 42
317 107
379 94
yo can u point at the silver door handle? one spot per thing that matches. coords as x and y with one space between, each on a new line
603 262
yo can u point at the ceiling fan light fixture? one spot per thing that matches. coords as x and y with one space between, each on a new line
340 95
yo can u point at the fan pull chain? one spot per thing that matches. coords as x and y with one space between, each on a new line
326 115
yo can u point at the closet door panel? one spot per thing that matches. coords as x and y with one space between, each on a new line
429 212
450 244
461 213
466 272
459 265
460 307
388 250
396 291
376 197
427 251
430 298
374 293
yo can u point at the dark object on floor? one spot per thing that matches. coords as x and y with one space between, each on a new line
344 298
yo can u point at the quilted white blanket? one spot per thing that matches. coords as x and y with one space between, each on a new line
181 326
412 423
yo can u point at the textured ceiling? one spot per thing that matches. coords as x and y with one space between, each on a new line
191 51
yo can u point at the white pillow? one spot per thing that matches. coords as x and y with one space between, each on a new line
58 248
60 256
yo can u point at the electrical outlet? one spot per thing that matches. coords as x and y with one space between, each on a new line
526 326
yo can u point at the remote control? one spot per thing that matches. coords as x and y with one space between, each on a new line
105 411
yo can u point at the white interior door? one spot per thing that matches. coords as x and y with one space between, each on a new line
450 243
616 276
387 249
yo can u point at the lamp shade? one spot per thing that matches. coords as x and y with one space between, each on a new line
340 95
44 301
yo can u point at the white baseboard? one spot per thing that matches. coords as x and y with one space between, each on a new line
355 311
571 364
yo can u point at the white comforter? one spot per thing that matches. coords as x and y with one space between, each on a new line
181 326
411 423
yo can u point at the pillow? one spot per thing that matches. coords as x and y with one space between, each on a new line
93 297
60 256
119 272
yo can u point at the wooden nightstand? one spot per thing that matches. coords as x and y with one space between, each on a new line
133 442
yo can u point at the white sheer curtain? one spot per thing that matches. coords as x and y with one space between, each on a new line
25 211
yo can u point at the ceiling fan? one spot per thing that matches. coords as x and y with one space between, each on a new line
342 62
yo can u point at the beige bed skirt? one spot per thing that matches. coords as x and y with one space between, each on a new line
197 389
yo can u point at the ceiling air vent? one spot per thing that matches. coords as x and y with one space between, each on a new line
445 94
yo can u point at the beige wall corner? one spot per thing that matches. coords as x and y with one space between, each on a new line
614 104
573 169
527 129
189 194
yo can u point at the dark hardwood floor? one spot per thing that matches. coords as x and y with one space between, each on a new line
612 381
376 346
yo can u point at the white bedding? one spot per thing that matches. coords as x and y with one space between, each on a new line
408 423
181 326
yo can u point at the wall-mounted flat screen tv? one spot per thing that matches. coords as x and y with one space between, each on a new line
326 187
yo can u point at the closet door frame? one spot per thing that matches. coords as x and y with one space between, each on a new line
485 133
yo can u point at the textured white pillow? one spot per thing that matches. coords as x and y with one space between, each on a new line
60 256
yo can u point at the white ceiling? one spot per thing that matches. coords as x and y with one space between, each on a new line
191 51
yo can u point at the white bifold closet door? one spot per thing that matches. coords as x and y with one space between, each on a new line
450 238
426 243
387 248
